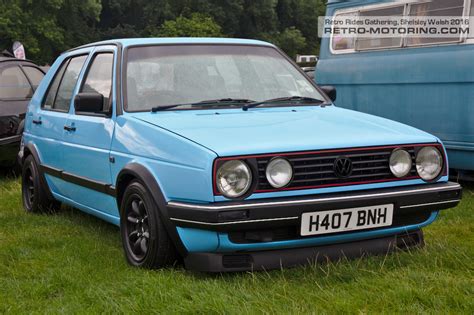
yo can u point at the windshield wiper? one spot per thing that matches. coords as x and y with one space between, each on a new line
165 107
225 100
283 99
204 103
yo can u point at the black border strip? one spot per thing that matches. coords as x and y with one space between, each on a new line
104 188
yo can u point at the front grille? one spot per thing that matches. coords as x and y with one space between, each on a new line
316 169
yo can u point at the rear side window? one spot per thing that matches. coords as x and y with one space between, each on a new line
14 84
435 8
60 91
34 75
411 9
99 77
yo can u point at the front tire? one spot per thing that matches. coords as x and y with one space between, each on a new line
34 193
144 238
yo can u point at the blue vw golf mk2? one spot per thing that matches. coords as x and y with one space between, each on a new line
223 153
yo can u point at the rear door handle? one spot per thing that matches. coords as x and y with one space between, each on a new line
69 128
36 121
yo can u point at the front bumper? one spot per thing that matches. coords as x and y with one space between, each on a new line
266 236
285 258
9 147
261 214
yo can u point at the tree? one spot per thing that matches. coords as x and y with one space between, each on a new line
198 25
292 41
47 27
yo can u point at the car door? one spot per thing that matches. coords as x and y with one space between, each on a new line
15 93
49 119
88 137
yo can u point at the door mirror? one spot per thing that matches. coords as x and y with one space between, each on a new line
89 103
330 91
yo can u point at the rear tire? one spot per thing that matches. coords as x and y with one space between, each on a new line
144 238
34 193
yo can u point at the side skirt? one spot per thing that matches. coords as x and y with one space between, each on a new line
101 215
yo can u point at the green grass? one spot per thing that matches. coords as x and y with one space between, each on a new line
73 263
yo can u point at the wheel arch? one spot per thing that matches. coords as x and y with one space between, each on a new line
135 171
30 149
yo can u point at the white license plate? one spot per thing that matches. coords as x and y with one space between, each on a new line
335 221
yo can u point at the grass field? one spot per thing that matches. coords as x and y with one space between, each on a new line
73 263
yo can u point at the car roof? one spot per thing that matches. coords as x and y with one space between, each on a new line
4 59
126 42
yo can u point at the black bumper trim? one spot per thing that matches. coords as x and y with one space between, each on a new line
284 211
285 258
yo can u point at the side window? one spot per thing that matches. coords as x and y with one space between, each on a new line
60 92
378 42
34 75
344 43
13 84
53 88
99 78
435 8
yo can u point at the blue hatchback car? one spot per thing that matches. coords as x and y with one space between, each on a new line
222 152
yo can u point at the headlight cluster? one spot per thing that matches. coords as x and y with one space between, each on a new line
279 172
429 163
234 177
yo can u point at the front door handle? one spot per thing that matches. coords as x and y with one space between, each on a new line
69 128
36 121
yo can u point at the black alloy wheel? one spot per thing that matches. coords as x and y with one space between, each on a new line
34 190
137 227
144 238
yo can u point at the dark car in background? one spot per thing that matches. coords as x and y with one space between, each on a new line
18 81
310 71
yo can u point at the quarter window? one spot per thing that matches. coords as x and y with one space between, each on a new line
13 84
435 8
60 92
34 75
99 78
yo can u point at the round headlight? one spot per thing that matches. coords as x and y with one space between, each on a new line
400 163
279 172
429 163
233 178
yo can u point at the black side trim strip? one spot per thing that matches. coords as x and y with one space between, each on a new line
104 188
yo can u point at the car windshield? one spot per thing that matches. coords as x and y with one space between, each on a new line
186 74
